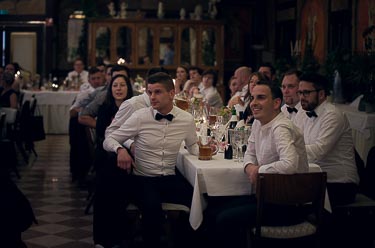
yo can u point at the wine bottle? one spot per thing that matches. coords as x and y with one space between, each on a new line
233 119
228 151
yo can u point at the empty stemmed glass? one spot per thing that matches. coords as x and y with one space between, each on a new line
232 139
219 131
242 136
238 139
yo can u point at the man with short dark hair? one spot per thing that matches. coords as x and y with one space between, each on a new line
275 146
328 139
268 70
158 132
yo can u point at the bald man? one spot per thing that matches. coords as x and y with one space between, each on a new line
241 77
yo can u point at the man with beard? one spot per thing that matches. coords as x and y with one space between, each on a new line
328 139
289 87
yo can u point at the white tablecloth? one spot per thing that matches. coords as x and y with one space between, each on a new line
216 177
363 129
54 106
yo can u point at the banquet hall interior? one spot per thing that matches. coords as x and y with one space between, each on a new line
45 39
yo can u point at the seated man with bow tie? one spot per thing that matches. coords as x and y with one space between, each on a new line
328 139
158 132
289 87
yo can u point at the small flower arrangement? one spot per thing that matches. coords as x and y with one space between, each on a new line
197 99
226 113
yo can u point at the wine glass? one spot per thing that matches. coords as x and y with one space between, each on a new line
219 131
232 139
242 136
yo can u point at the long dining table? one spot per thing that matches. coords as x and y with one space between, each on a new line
54 106
216 177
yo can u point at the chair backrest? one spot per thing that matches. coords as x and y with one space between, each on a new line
33 104
2 124
368 179
291 190
11 115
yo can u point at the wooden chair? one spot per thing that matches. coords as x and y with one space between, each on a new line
8 153
357 220
305 190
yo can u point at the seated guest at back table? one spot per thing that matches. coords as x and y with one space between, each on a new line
268 70
158 132
275 146
195 78
182 75
241 76
79 75
8 96
328 139
254 79
289 87
111 182
210 94
14 69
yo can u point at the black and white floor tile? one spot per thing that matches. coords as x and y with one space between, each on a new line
58 203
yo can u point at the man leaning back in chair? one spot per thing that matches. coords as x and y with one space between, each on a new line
275 146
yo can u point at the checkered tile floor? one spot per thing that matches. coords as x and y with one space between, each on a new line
57 202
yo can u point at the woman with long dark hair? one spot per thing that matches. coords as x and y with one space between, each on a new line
110 198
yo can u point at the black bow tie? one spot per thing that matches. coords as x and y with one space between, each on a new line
159 116
291 110
311 114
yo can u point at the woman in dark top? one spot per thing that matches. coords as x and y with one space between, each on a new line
119 90
111 196
8 96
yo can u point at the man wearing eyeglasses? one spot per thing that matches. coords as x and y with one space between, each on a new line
328 139
289 87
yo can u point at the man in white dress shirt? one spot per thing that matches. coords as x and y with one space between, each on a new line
113 183
289 87
79 74
158 132
328 139
275 146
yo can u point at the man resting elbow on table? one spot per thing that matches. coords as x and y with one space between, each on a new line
158 132
275 146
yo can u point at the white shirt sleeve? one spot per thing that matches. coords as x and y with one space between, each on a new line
127 130
124 113
191 141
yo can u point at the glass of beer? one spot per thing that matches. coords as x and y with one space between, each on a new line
182 103
205 152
